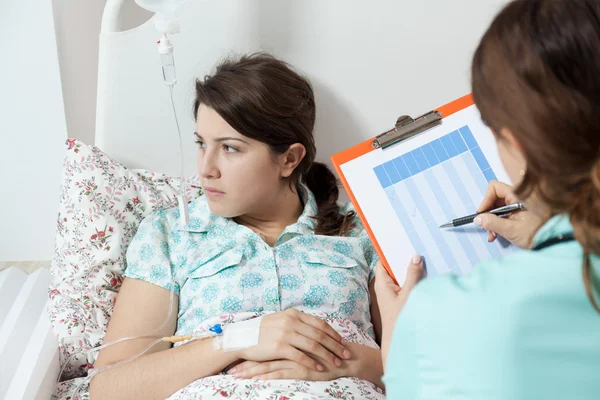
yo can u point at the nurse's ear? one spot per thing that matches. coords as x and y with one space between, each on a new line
512 155
508 135
289 160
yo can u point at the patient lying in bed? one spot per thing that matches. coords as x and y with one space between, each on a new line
267 239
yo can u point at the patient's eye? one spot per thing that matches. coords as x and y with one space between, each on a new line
200 143
229 149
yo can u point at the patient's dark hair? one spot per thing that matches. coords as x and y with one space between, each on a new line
263 98
537 73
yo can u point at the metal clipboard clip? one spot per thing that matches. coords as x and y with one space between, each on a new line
407 128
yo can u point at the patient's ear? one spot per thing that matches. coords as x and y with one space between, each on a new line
289 160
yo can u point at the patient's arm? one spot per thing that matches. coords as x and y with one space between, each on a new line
141 308
367 363
375 313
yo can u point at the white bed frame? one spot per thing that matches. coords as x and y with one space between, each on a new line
29 360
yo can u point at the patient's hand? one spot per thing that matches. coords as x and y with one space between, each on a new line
283 369
365 364
298 337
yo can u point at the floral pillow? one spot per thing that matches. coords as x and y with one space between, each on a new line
101 206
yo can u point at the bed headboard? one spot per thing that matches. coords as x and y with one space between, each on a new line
369 62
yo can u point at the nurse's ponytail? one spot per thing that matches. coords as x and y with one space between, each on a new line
536 73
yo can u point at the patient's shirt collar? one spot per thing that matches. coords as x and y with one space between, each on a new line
201 218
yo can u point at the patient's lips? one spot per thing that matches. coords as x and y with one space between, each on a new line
212 192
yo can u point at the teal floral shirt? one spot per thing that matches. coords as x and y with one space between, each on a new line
219 267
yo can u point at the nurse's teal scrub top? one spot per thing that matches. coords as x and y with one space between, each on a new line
517 328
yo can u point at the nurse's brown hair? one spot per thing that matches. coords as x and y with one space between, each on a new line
537 73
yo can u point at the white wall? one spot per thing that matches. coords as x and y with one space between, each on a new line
369 62
33 127
32 130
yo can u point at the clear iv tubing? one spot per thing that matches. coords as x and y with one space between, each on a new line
212 332
182 184
116 341
118 364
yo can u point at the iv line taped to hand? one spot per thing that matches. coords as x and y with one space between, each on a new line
213 332
232 337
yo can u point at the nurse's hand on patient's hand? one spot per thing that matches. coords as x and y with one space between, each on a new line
295 336
518 228
281 369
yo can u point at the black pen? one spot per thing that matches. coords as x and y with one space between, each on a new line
501 211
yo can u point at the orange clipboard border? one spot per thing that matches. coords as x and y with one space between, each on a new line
366 147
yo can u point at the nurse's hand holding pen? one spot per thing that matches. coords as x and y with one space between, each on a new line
518 228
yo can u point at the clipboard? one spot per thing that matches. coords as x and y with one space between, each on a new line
405 129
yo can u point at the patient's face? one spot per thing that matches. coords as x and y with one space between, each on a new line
238 174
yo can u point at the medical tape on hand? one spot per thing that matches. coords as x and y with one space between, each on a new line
238 336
